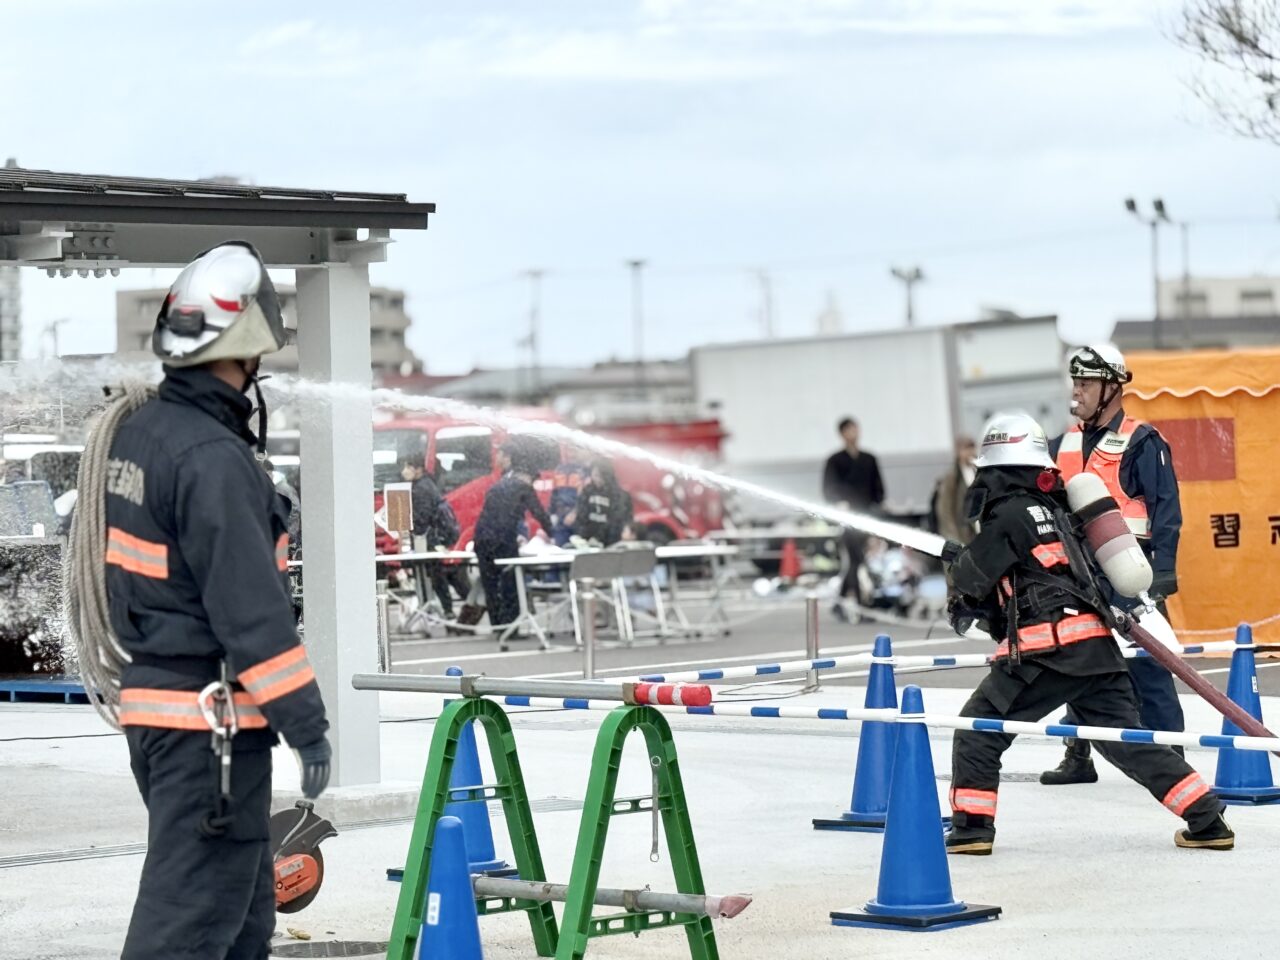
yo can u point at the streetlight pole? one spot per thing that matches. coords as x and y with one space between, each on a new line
766 301
535 276
637 315
1154 221
909 276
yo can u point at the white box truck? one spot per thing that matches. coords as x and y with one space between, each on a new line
913 391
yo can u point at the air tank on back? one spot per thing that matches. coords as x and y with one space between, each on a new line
1115 546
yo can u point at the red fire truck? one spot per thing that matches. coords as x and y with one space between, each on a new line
460 456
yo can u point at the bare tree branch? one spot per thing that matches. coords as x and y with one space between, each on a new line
1239 42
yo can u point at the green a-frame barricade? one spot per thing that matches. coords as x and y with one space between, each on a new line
599 806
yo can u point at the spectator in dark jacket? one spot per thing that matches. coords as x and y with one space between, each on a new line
851 481
498 531
604 509
435 522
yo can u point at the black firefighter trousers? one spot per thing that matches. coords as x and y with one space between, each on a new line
201 898
1102 700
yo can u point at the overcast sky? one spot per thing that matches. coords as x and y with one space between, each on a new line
991 142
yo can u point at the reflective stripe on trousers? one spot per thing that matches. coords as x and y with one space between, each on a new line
981 803
1185 792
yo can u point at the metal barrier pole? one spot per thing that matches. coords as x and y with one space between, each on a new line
384 629
588 594
811 640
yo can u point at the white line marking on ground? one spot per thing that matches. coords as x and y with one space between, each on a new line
468 657
1260 666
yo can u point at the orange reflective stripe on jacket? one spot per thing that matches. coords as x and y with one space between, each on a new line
282 552
1104 462
1185 792
137 555
1040 637
979 802
280 675
180 710
1050 554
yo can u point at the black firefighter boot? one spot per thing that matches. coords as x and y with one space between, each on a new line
970 834
1213 835
1076 766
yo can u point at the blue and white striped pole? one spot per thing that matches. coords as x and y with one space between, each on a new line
749 671
846 714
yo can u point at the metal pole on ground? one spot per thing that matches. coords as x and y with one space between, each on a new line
588 593
384 629
518 688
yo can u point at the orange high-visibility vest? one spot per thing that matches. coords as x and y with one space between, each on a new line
1104 463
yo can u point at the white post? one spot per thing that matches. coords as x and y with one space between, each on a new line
337 519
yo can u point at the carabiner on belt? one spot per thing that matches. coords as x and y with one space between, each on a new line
218 708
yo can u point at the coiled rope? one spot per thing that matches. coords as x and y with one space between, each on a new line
85 607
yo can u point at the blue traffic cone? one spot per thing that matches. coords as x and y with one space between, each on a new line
915 882
1244 776
876 741
474 814
450 926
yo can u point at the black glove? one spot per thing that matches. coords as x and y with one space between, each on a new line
1164 584
950 550
313 762
963 615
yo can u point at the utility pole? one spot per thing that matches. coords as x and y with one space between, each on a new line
1154 221
1185 229
766 301
637 315
51 330
535 276
909 276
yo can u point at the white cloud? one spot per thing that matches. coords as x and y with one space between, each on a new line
960 17
275 37
600 55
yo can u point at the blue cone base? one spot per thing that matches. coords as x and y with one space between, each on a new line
966 914
1246 796
494 868
396 874
862 823
850 822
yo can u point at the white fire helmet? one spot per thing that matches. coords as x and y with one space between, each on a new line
1099 361
1014 440
223 306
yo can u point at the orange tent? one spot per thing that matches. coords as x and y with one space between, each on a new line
1220 412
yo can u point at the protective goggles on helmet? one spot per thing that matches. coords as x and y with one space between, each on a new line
1087 363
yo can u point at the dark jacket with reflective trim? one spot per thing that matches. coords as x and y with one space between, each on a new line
196 548
1016 519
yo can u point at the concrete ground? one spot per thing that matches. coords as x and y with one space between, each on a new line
1087 871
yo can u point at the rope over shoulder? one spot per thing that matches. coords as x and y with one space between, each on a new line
98 651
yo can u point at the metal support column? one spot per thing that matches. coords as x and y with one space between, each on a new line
337 458
811 640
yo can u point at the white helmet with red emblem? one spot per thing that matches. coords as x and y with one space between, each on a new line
223 306
1014 440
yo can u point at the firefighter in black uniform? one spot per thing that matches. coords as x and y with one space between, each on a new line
1136 464
497 534
1013 579
196 550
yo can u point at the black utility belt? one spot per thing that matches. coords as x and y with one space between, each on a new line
205 669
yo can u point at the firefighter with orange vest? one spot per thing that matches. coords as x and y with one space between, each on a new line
1015 582
1135 463
195 555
